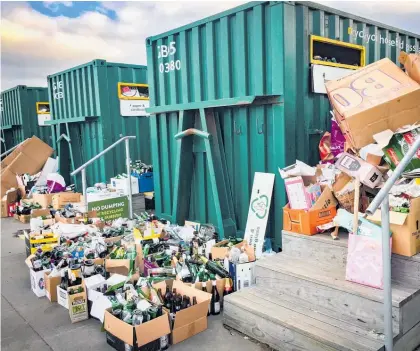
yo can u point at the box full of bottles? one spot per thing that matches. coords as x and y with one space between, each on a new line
243 275
78 309
45 240
62 297
36 274
120 183
123 336
188 308
124 259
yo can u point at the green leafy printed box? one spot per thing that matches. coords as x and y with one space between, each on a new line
396 145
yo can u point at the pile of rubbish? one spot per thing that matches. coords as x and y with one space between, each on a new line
357 157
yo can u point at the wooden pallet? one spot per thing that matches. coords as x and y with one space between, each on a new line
303 302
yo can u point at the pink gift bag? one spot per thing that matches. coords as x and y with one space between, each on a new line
364 260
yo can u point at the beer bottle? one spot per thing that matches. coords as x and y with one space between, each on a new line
215 299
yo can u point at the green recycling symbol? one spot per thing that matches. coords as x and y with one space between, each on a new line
259 206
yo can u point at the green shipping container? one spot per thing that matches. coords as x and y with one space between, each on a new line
246 79
94 105
20 118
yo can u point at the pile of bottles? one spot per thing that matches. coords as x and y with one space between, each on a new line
138 167
26 207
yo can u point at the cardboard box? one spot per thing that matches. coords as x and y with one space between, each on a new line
219 252
302 192
122 266
243 275
374 98
192 320
396 144
411 64
75 220
305 222
37 282
45 200
60 200
62 297
8 181
121 184
405 229
78 309
354 166
7 203
51 284
147 334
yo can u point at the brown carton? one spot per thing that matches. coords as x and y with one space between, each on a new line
51 284
60 200
411 64
122 266
192 320
374 98
78 309
219 251
405 229
136 336
45 200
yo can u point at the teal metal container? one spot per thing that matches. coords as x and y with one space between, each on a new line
19 117
85 107
247 72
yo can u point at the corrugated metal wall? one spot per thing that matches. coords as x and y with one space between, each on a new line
261 48
19 119
86 98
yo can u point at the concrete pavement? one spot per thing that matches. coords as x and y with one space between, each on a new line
31 323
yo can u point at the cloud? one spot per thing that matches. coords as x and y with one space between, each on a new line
35 45
54 6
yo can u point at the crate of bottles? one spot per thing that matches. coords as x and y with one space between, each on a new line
35 240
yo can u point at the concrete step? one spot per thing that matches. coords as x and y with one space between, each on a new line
321 248
286 322
324 285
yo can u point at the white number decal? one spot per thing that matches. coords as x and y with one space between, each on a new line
166 51
58 90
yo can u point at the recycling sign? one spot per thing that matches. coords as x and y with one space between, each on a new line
259 208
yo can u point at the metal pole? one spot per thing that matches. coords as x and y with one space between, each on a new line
386 262
127 160
393 178
84 187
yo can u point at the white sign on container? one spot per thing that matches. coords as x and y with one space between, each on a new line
322 74
130 108
259 208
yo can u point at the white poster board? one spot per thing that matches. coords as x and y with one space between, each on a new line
129 108
322 74
259 208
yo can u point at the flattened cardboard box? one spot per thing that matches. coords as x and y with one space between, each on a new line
405 229
374 98
138 335
192 320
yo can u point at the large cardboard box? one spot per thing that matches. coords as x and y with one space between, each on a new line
411 64
145 336
374 98
305 222
405 229
51 284
8 181
45 200
60 200
192 320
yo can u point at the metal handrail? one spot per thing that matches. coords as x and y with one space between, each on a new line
382 199
10 150
82 169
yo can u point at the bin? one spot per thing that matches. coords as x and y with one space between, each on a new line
255 76
92 106
24 111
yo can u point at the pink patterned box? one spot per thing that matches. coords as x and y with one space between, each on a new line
364 260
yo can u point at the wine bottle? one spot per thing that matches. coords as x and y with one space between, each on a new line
168 298
204 288
215 299
194 300
227 289
215 268
164 341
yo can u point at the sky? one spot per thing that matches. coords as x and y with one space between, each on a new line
42 38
